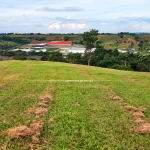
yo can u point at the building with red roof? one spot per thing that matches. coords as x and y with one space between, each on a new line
59 43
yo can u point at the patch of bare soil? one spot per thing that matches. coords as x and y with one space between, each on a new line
86 72
51 120
42 104
138 116
37 111
144 128
5 67
35 129
3 147
130 78
20 131
114 96
51 90
47 97
131 108
1 85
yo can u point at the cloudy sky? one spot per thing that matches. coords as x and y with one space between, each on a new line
74 16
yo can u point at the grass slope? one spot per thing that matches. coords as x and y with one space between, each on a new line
85 115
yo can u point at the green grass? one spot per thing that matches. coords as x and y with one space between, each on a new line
85 116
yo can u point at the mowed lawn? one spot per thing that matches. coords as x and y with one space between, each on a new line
84 115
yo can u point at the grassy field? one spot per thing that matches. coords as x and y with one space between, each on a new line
61 106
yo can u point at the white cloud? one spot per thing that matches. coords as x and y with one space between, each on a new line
143 26
57 26
75 26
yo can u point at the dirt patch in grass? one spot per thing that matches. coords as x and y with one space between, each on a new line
114 96
20 131
3 147
42 104
144 128
5 67
141 124
36 127
51 120
131 108
3 84
129 78
86 72
37 111
138 115
51 90
47 97
34 130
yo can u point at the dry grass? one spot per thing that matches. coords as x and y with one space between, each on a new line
131 108
142 127
35 129
47 97
20 131
37 111
114 96
51 120
3 84
138 115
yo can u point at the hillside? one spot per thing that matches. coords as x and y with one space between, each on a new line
49 105
110 41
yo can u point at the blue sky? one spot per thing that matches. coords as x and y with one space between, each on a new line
74 16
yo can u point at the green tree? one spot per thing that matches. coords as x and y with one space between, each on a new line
89 39
56 56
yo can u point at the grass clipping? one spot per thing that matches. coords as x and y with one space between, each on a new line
35 129
142 127
24 131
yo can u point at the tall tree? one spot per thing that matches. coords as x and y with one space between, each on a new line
89 39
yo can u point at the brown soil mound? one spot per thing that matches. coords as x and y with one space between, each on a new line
116 98
41 111
131 108
144 128
138 115
42 104
47 97
21 130
51 90
3 147
140 121
1 85
37 111
143 109
51 120
36 128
